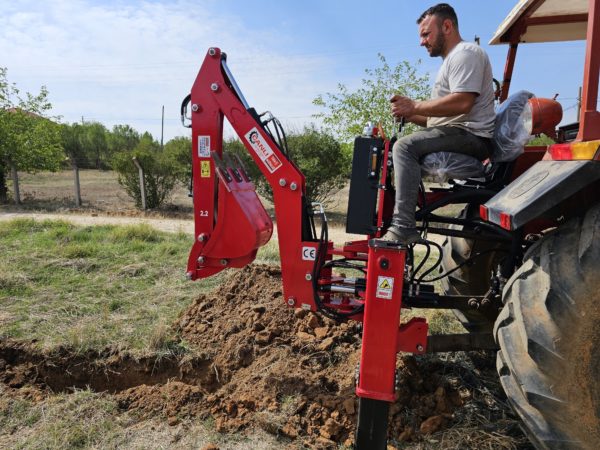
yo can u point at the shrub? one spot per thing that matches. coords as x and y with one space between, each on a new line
160 172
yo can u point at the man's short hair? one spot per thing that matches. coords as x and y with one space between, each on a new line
443 11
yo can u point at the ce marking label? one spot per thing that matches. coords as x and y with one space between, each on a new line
309 253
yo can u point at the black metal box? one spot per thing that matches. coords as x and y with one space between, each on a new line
364 185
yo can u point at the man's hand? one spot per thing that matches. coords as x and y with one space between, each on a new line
402 106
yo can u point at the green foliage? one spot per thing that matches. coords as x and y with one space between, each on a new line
540 140
29 139
347 112
160 172
92 146
95 143
122 138
317 154
179 151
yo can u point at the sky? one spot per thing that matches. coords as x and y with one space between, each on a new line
121 61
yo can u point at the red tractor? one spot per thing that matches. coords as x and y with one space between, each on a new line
519 265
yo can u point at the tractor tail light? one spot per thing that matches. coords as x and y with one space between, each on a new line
505 221
483 212
574 151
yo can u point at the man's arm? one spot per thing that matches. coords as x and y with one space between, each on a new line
418 120
451 105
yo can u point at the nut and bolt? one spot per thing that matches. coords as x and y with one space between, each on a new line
202 237
189 275
291 301
201 259
214 87
195 107
419 348
224 262
293 186
308 277
282 182
212 51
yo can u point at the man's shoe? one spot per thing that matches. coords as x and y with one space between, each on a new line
404 236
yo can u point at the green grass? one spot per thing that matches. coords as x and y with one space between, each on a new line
90 287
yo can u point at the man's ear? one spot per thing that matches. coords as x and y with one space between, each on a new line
447 26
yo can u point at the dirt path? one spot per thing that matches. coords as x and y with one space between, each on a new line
337 234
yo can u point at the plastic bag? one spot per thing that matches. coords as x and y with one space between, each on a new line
510 134
443 166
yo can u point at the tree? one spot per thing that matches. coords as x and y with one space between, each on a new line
94 141
72 143
179 152
160 176
29 140
122 138
347 112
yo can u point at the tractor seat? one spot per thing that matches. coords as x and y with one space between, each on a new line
510 136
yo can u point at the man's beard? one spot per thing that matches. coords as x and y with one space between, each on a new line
437 48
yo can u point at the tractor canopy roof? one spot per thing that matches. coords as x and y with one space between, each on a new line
544 21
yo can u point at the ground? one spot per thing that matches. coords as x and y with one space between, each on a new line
231 367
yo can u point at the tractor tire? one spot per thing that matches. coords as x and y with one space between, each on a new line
371 429
549 337
470 279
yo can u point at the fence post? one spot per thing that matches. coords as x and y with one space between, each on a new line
142 184
15 179
76 179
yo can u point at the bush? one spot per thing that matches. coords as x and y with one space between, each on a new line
160 172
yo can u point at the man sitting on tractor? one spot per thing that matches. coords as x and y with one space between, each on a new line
458 118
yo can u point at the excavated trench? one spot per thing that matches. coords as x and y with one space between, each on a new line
288 372
64 371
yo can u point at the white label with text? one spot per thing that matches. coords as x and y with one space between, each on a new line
203 146
262 149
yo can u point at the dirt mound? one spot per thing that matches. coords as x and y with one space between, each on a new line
292 372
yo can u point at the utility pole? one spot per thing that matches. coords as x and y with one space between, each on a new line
162 127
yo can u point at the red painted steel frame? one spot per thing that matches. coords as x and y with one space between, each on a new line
589 128
382 338
239 227
231 237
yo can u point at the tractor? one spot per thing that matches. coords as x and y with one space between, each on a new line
519 266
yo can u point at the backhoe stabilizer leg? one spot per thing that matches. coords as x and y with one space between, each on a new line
382 339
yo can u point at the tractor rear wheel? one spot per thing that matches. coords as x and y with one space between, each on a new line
470 279
549 337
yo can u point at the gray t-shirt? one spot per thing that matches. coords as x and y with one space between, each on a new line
467 68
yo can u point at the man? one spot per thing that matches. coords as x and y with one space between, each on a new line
458 118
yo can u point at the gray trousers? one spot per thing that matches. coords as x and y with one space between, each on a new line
409 150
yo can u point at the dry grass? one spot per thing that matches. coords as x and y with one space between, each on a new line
85 419
100 192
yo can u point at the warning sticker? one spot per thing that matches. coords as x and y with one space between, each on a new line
385 287
203 146
205 169
262 149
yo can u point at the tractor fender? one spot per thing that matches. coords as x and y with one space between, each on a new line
543 186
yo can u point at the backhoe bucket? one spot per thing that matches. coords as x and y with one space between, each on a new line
241 224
